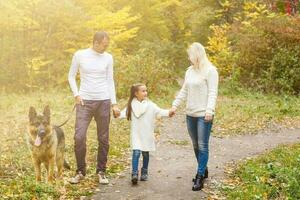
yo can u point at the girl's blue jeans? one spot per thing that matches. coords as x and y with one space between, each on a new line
135 160
199 131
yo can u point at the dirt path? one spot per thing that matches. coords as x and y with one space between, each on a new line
173 165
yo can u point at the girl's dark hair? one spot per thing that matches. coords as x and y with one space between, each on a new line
134 88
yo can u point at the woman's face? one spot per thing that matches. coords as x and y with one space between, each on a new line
142 93
191 63
195 55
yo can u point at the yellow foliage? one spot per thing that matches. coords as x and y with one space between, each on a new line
218 45
35 31
219 49
253 10
116 23
219 40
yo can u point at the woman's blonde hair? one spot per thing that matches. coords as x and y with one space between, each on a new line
197 56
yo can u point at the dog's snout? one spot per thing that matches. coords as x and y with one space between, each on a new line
42 132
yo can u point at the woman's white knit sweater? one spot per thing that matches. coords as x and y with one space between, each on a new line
200 90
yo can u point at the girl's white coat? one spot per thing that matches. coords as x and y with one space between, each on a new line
142 127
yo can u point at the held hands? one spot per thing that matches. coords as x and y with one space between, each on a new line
172 112
208 117
116 111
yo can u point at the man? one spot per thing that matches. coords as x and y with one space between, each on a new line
93 100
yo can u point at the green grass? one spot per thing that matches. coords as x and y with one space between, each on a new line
274 175
249 112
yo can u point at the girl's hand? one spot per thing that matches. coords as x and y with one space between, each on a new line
208 117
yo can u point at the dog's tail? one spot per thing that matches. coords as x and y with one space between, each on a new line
66 165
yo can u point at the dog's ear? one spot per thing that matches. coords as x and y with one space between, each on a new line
46 113
32 114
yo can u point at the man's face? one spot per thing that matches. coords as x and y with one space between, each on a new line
101 46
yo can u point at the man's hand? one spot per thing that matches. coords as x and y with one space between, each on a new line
116 111
78 100
208 117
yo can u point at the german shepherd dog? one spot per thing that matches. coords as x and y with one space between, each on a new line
47 144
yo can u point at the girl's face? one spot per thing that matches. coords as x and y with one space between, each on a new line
141 94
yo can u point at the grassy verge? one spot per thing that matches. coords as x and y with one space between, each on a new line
274 175
241 111
247 112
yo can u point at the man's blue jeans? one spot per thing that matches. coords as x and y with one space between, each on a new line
199 131
135 160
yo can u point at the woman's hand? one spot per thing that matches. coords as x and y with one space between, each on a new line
208 117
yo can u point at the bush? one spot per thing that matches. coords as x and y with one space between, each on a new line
284 72
144 67
262 46
269 53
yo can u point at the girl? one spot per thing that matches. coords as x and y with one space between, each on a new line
200 91
142 113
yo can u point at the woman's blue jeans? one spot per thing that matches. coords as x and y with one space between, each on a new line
135 160
199 131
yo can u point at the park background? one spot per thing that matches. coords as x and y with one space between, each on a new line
255 44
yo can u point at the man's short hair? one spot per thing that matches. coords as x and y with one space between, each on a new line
99 36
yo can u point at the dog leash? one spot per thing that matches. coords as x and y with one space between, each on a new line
69 117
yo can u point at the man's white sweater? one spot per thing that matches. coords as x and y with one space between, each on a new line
200 90
96 75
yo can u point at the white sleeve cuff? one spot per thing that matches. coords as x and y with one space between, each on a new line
209 111
76 94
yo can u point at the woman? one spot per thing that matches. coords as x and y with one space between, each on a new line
200 90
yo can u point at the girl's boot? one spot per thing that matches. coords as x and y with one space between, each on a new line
134 178
144 174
